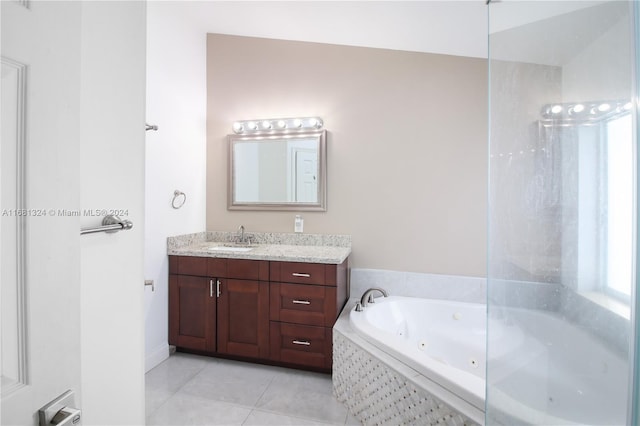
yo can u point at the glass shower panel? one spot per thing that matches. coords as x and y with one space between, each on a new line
561 212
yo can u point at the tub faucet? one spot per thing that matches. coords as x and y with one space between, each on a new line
367 298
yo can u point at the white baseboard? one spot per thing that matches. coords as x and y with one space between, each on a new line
156 356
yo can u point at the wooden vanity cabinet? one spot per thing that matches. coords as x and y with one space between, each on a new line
306 299
276 312
219 306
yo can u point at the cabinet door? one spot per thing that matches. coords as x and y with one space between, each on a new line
192 313
243 318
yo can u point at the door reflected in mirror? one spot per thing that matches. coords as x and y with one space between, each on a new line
278 171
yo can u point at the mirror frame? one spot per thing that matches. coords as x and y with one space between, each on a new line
320 205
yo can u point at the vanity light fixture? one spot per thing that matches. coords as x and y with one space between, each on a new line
585 111
279 125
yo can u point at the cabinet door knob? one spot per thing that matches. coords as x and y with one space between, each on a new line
301 302
218 288
210 288
301 342
298 274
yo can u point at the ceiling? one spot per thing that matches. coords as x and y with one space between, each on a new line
561 31
448 27
453 27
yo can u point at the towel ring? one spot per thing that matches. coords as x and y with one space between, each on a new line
178 202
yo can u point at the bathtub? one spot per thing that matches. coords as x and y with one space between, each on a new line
445 343
443 340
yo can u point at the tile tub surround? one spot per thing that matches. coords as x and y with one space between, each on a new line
427 286
312 248
378 389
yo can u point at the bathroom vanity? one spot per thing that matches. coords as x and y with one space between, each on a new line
275 303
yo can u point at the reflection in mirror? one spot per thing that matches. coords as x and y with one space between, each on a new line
278 171
594 164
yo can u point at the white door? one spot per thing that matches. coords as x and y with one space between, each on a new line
306 175
40 250
73 100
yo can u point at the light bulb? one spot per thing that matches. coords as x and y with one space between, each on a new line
282 124
604 107
297 123
266 124
252 125
556 109
238 127
578 108
627 106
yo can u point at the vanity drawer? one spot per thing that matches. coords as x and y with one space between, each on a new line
303 304
301 344
297 272
244 269
214 267
191 265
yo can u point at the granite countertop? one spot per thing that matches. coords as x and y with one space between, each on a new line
310 248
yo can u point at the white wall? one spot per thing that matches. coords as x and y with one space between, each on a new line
175 154
112 177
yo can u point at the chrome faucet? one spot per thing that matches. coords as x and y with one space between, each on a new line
241 232
367 297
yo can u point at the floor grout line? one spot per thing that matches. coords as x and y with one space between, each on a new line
173 393
254 408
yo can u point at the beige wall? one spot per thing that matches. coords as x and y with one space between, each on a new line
407 146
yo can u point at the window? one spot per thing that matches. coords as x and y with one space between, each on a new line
619 206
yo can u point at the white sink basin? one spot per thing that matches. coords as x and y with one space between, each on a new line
226 248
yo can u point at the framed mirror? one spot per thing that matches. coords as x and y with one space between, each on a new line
278 171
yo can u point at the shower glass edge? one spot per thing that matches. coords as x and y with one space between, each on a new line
634 386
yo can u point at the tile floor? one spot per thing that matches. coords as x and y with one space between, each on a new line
195 390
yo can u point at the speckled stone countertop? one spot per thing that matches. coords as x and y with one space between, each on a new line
311 248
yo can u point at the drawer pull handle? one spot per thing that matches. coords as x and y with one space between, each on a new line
298 274
301 302
301 342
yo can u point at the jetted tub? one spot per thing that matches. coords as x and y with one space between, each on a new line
445 341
